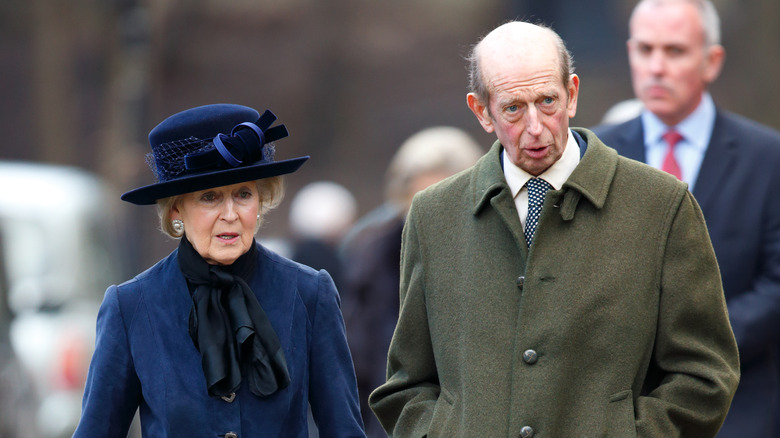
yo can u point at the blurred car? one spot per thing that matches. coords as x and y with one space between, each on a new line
17 395
58 230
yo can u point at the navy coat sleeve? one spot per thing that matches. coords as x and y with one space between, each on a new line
333 392
113 391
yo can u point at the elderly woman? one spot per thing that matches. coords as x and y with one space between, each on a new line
221 338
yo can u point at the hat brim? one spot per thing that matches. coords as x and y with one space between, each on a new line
148 195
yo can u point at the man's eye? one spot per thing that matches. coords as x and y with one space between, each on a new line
548 100
512 108
675 51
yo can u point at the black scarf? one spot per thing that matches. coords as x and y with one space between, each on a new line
229 327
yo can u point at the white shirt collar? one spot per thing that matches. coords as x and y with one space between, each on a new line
696 129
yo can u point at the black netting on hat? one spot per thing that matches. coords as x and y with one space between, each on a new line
167 160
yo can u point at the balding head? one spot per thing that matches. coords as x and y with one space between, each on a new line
519 40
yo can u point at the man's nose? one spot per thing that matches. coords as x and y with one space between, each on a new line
533 122
657 62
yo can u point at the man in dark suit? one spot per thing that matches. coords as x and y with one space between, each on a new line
731 165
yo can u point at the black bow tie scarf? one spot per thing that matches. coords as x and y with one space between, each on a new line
229 327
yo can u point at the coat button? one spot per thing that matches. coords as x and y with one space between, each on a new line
526 432
530 357
231 435
520 281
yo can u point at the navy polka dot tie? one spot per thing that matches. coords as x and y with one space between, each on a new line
537 188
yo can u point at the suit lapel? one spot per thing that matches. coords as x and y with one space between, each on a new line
718 159
632 140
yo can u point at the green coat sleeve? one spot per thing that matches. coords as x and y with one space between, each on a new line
405 403
695 354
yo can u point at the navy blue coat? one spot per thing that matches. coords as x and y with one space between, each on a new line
738 189
144 357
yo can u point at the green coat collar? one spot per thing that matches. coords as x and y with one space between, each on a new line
591 179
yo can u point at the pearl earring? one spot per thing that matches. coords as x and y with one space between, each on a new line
178 226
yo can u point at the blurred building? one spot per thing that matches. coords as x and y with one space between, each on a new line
85 80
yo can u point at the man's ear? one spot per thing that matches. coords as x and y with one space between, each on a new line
480 110
715 56
574 89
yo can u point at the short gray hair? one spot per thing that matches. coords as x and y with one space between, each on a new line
707 12
477 83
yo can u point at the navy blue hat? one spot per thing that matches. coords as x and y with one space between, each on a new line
212 146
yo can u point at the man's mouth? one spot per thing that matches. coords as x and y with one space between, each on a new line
657 90
536 151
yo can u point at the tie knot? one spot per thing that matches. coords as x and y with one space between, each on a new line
537 186
672 137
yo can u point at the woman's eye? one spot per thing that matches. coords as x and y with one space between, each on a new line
245 194
208 197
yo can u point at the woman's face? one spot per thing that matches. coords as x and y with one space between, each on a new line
220 222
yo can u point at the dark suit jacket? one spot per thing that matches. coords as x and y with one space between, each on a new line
144 357
738 189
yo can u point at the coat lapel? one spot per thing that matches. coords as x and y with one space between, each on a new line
720 156
489 187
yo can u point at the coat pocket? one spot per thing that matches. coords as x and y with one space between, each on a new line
621 422
443 423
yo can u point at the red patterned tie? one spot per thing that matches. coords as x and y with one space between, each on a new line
670 164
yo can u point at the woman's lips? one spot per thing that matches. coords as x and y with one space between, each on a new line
227 237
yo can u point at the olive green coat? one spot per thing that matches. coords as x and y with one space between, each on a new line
620 299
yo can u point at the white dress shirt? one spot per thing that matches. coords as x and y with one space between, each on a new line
556 175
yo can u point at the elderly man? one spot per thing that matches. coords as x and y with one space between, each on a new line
554 289
730 165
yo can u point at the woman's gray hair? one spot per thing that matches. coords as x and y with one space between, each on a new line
477 83
270 194
443 150
710 19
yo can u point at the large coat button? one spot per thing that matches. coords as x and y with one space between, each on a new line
520 281
530 357
235 435
526 432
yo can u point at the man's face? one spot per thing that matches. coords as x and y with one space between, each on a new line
671 66
529 107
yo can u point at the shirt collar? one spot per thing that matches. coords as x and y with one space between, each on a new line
696 129
556 175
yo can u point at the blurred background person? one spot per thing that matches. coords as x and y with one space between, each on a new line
222 337
730 164
321 213
372 251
